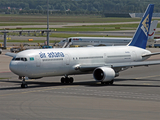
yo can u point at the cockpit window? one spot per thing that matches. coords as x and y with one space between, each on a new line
14 58
19 59
24 59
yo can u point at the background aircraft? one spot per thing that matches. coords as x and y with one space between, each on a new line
106 41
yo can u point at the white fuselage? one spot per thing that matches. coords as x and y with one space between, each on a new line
62 61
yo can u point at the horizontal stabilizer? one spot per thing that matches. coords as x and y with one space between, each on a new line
148 55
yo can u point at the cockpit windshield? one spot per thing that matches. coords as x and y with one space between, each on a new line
19 59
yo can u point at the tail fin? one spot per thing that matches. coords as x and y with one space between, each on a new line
152 29
141 35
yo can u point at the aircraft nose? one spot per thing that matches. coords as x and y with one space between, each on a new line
13 66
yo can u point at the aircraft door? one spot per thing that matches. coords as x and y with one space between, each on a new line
26 68
134 56
105 57
38 61
67 60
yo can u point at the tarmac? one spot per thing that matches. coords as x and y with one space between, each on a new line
134 95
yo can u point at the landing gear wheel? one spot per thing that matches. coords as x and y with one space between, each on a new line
111 82
62 80
24 85
102 83
108 83
67 80
105 83
71 80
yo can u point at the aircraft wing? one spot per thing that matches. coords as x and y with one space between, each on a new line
11 54
91 67
135 64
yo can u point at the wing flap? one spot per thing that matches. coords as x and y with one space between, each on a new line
135 64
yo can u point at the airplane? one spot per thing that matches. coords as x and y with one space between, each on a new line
106 41
104 63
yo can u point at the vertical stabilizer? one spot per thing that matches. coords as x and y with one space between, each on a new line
152 29
141 35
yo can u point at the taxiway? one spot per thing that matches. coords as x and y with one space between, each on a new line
134 95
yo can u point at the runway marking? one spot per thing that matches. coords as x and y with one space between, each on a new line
85 92
38 90
6 72
116 95
148 77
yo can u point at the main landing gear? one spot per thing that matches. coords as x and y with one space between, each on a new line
67 79
24 84
108 83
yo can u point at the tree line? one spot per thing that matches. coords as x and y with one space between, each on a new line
76 6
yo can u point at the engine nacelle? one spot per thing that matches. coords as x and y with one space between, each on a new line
104 74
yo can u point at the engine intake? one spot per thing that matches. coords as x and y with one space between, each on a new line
104 74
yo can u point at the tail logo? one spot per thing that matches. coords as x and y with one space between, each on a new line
152 33
145 25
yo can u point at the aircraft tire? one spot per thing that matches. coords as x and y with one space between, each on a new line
105 83
71 79
102 83
67 80
24 85
63 80
111 82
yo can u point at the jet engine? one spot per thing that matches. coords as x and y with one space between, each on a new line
104 74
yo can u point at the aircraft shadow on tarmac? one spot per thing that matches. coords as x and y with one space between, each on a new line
118 82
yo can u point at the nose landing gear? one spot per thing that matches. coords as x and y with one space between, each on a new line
24 84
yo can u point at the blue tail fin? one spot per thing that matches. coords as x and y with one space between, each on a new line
141 35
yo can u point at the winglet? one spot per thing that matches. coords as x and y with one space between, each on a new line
141 35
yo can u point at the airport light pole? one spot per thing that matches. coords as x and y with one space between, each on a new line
47 22
5 39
